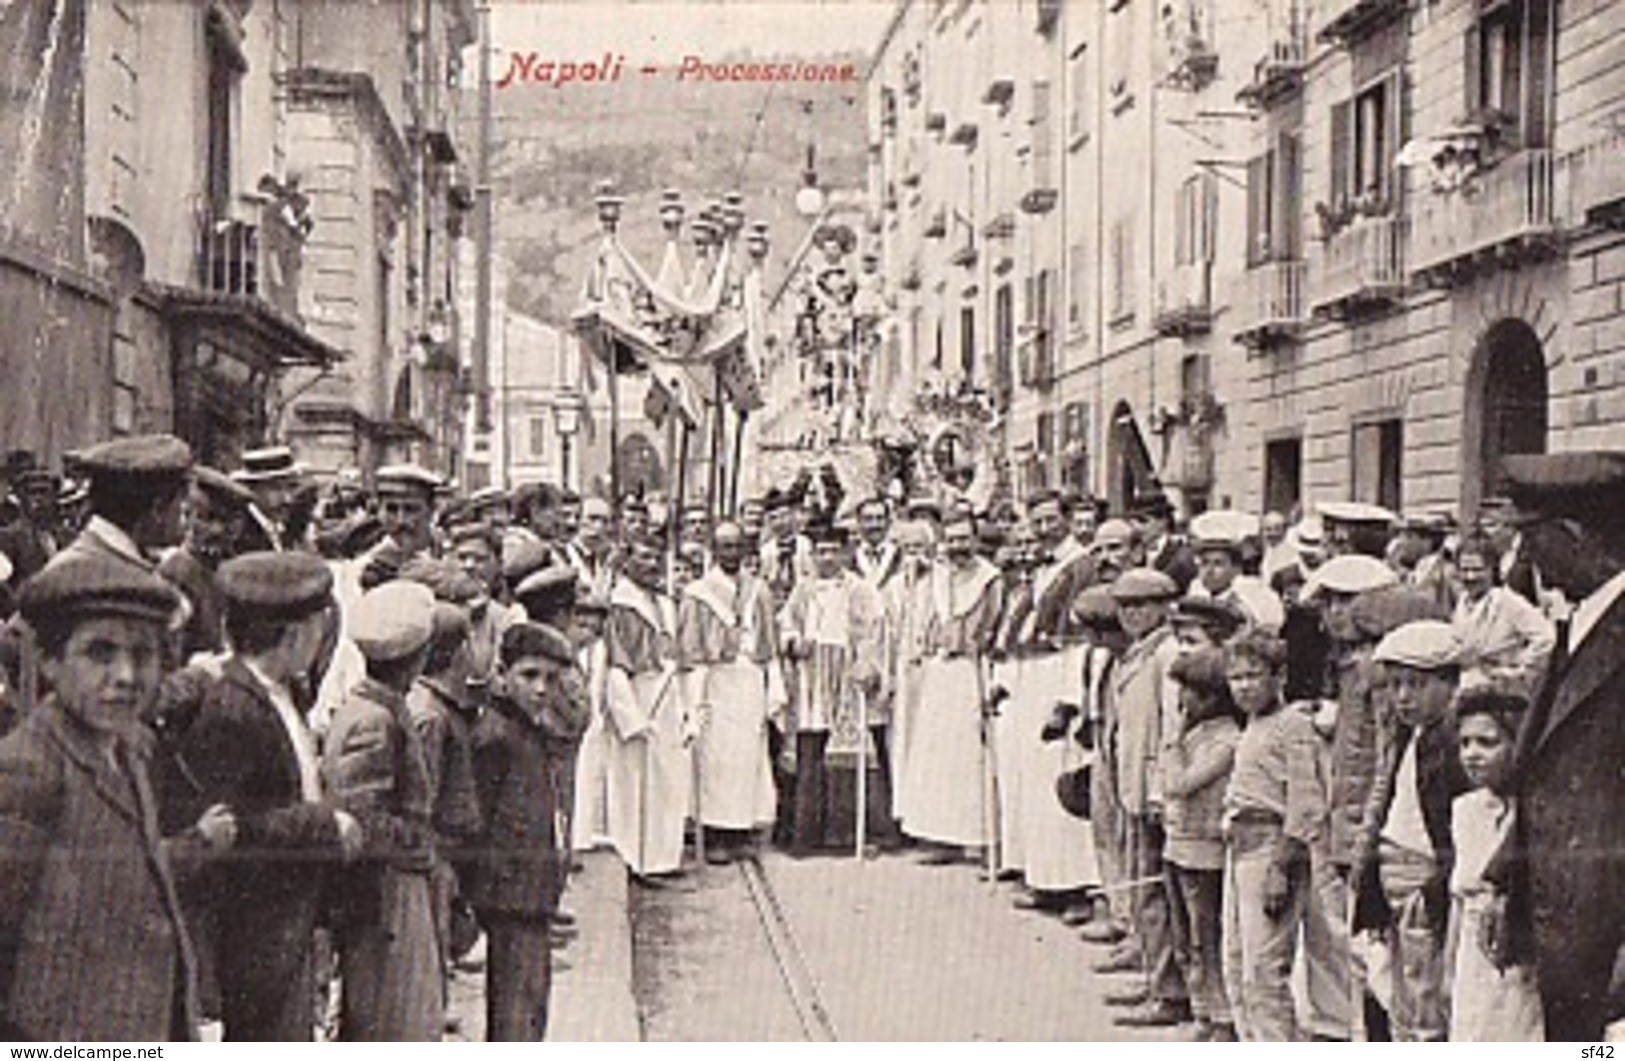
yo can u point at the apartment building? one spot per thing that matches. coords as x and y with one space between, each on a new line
1264 253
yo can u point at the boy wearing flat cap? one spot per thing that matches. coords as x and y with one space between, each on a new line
93 943
374 761
1144 704
516 877
1406 853
250 747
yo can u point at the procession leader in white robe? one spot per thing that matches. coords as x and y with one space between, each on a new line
946 802
1058 848
645 755
727 647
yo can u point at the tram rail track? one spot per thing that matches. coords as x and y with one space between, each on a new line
816 1023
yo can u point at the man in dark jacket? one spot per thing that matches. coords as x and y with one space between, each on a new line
1562 868
518 870
249 747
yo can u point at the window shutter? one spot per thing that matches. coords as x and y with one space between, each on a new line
1182 223
1472 65
1393 127
1287 183
1537 99
1209 187
1341 129
1257 213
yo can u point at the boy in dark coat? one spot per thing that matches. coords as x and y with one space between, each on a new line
517 870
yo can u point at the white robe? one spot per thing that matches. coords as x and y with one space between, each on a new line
1059 848
589 824
948 792
734 699
646 761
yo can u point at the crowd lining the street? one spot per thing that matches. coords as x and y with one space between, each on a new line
277 757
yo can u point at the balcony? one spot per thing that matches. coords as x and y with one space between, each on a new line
1360 268
1000 91
257 260
1185 301
1597 181
964 135
1003 226
964 255
1343 22
1271 304
1280 72
936 227
1500 216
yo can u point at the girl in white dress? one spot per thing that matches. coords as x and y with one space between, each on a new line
1486 1004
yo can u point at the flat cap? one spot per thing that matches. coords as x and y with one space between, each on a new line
1350 574
522 553
80 587
1261 604
1143 584
220 487
488 497
445 578
393 620
267 464
1428 521
531 639
1585 485
403 477
138 456
1223 529
1115 532
1379 612
1427 644
1221 616
547 591
275 586
1096 607
1355 512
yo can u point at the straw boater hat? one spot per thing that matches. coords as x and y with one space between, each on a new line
267 465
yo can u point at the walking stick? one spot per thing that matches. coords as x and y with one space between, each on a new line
990 779
863 773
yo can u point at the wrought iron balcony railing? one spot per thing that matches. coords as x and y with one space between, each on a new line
1503 214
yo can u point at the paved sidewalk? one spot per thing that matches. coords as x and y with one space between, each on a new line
592 976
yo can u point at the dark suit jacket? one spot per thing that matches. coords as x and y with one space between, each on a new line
93 944
1562 868
261 899
206 626
519 867
1177 560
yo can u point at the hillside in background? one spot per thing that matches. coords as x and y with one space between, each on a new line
554 144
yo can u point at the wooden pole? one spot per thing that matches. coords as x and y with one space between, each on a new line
738 461
614 432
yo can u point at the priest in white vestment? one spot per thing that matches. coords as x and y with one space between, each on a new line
727 648
949 800
646 758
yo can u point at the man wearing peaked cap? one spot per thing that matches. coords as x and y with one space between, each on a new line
1560 869
375 762
1356 527
138 489
406 496
1408 836
214 529
250 747
548 595
1348 575
1218 618
88 910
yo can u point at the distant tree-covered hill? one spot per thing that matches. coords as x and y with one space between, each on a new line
647 133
